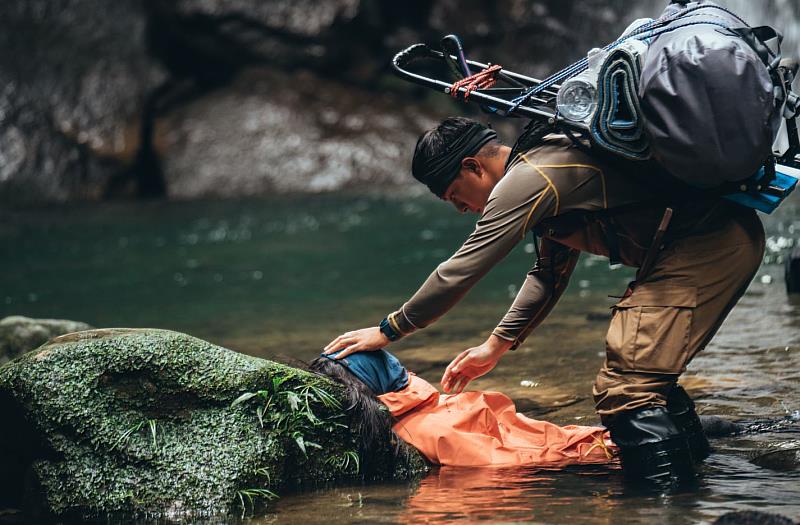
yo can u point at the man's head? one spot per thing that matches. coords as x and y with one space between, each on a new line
460 161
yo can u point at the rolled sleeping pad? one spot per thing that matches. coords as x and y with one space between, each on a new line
707 99
617 124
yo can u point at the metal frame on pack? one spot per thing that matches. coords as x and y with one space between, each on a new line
540 107
505 101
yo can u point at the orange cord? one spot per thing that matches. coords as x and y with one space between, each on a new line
480 80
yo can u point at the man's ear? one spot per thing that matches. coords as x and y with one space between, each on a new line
472 164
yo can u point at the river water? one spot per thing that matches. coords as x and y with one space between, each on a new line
279 278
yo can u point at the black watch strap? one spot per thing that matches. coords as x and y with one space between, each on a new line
388 331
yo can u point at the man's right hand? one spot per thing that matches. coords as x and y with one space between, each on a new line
364 340
472 363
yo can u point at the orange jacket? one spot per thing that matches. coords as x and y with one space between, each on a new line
483 428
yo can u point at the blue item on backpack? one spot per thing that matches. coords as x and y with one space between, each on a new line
770 198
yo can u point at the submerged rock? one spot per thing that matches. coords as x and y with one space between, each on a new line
160 423
753 517
783 459
715 426
19 334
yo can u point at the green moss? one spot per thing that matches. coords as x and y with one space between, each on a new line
144 422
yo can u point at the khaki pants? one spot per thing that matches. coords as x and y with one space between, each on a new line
672 313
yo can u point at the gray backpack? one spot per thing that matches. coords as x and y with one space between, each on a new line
712 95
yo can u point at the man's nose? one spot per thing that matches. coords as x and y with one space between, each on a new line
460 206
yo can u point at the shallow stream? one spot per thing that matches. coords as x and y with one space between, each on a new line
279 278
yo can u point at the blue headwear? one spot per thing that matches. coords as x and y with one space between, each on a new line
379 370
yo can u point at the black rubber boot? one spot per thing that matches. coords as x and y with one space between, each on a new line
681 407
652 448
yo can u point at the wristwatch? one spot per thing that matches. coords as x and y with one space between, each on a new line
388 331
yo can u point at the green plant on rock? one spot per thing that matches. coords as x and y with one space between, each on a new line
152 425
289 411
250 496
344 461
126 435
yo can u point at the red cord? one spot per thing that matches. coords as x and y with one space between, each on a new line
480 80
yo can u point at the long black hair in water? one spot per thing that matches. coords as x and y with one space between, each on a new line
370 419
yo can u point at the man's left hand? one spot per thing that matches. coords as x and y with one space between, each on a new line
364 340
473 363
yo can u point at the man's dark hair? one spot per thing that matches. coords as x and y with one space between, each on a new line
439 151
433 142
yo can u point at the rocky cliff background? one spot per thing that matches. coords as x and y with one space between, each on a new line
224 98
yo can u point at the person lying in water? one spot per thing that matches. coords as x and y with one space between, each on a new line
464 429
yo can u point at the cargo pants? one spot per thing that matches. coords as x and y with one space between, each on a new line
667 316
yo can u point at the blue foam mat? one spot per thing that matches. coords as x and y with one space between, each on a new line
764 202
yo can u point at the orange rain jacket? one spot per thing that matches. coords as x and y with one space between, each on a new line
484 428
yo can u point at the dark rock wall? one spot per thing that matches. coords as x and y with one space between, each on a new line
74 75
269 132
188 98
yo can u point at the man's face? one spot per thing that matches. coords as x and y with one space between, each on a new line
470 190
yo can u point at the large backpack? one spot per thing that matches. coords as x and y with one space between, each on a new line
712 95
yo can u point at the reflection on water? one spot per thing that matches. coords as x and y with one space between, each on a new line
282 277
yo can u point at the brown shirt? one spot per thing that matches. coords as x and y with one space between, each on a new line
552 188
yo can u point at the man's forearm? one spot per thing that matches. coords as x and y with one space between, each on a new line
540 292
523 198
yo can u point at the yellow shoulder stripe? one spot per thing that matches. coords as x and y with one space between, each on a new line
533 208
549 182
587 166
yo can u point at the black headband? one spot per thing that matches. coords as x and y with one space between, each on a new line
439 171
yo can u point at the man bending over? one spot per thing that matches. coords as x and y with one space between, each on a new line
573 200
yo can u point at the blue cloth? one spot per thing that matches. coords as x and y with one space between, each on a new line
379 370
765 202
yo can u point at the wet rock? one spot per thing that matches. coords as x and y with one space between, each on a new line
715 426
74 74
782 459
157 422
753 517
273 133
20 334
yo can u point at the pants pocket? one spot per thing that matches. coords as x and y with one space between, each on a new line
650 330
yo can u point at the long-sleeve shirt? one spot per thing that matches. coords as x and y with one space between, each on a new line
553 189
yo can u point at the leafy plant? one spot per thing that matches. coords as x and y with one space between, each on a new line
290 411
125 436
344 461
152 424
263 473
251 495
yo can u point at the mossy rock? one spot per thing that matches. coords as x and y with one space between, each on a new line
20 334
158 423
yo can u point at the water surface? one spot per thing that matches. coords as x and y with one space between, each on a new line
279 278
